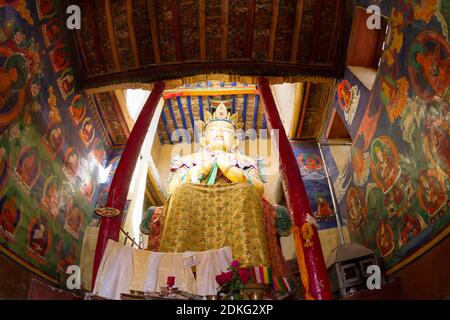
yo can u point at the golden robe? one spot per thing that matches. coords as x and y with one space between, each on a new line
200 217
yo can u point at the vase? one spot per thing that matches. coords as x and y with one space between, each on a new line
255 291
232 296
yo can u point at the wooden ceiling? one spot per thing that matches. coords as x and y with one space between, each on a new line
148 40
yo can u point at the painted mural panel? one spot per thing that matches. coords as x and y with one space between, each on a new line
50 152
350 96
316 183
395 188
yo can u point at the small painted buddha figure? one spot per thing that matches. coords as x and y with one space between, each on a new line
215 197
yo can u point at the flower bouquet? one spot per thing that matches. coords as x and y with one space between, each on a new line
233 281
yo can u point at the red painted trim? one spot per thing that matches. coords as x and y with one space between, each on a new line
117 196
296 196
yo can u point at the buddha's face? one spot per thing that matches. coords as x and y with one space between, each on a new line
219 136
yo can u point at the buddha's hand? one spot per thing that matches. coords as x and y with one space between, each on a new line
196 174
207 163
224 161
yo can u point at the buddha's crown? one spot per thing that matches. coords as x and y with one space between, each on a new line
221 114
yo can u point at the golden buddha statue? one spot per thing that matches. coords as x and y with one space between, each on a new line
219 160
216 200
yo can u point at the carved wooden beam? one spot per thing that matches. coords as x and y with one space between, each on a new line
296 30
112 36
146 75
132 33
81 49
303 110
224 29
250 26
202 28
273 29
177 30
92 23
154 28
316 30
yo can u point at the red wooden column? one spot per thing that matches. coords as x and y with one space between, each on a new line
117 196
310 258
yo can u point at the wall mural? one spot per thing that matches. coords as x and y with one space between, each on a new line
395 188
316 183
50 152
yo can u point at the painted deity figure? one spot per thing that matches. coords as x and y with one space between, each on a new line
385 238
73 219
431 194
27 168
87 132
9 214
435 70
8 78
323 207
38 241
355 211
54 139
357 208
386 169
71 162
51 198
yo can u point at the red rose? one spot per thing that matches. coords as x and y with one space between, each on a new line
228 276
235 264
220 278
244 275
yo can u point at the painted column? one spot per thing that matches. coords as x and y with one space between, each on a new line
117 196
309 251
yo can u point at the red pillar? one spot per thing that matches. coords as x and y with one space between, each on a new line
117 196
311 259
